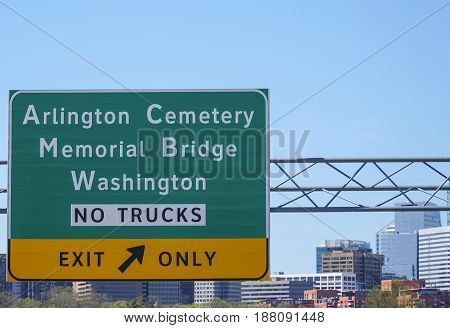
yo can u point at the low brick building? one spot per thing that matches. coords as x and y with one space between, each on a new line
322 298
424 297
353 299
391 285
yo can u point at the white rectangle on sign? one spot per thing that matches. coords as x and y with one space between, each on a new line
91 215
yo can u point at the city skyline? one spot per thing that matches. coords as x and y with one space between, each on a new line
394 102
350 273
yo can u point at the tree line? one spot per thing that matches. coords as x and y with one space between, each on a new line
61 297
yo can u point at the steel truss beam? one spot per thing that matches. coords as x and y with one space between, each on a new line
412 196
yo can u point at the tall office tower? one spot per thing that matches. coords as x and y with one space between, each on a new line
400 253
113 290
206 291
398 242
434 257
4 285
171 292
336 245
386 230
364 264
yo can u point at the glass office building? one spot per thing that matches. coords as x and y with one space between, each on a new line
398 242
415 221
121 290
171 292
400 255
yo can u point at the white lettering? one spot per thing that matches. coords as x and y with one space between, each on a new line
149 114
43 145
31 115
169 143
82 179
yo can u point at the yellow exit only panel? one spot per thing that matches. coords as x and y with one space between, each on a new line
138 259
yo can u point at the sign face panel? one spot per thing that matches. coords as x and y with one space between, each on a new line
138 185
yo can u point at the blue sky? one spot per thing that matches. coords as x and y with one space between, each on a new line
395 104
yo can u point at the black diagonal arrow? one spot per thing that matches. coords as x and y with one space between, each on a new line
137 253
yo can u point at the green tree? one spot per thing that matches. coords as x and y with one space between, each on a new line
116 304
192 305
133 304
152 302
6 300
94 301
27 303
381 299
61 298
219 303
246 305
420 304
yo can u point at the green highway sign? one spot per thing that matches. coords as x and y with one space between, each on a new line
138 185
